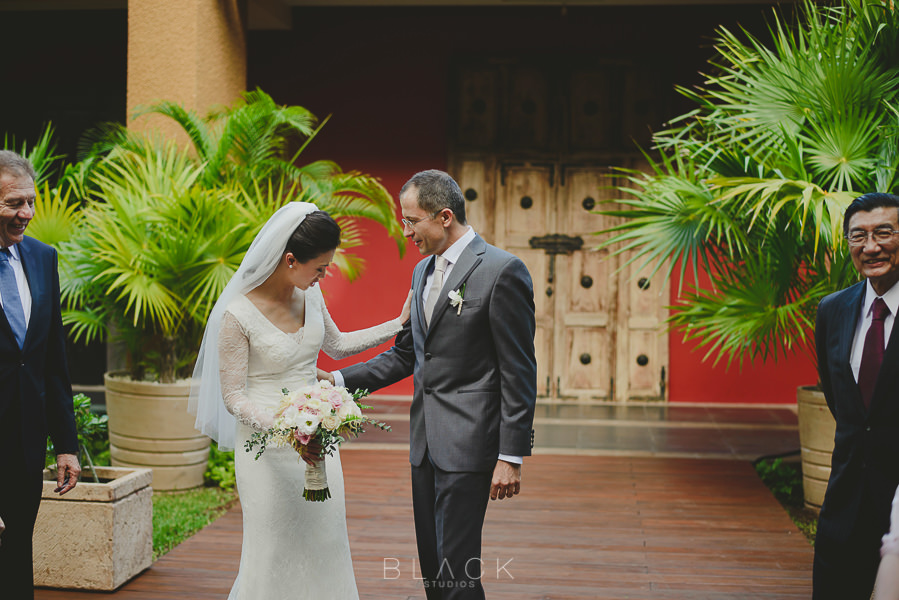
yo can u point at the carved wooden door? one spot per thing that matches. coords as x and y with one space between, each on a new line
600 333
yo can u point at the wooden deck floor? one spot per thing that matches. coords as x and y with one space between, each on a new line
597 527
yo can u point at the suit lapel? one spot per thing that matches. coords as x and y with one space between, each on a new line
848 321
32 267
7 329
418 296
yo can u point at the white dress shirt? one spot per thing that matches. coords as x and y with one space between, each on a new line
22 282
891 298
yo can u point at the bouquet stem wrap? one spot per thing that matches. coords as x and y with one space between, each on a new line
316 489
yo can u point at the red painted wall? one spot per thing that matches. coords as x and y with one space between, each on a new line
693 379
382 74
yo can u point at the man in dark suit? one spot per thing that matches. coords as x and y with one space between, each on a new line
35 395
470 346
858 363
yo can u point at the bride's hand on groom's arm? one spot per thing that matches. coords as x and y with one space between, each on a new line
325 376
407 309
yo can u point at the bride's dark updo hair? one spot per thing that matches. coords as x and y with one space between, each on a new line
316 234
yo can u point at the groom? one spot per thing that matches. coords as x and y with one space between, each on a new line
470 347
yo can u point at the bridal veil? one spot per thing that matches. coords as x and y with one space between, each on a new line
213 419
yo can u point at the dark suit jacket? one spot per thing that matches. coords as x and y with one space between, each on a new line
475 372
866 445
35 394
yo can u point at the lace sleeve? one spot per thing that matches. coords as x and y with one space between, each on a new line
234 354
338 344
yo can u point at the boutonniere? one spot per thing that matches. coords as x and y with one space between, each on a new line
456 298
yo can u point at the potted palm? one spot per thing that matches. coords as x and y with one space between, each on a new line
750 187
160 233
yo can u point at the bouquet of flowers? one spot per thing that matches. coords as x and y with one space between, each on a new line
323 413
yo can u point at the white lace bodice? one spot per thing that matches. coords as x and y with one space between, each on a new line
252 380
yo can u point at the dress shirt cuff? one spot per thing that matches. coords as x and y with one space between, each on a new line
511 459
338 378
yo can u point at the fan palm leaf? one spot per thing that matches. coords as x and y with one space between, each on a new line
753 183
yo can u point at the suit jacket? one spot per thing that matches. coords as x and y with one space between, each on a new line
866 446
475 373
35 394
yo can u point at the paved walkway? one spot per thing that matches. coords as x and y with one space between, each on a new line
660 430
665 518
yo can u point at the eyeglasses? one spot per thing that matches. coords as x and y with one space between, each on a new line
411 224
880 236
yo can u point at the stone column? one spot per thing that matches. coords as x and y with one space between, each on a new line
192 52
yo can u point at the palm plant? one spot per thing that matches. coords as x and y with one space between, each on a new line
41 154
750 187
248 144
148 254
149 235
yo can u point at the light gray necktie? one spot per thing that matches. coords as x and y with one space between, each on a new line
436 285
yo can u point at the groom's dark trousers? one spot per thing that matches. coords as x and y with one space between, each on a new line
449 511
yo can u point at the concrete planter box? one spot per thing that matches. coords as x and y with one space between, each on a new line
97 536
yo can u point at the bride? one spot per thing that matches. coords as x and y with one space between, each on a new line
264 334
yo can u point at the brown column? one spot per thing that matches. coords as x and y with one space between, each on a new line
188 51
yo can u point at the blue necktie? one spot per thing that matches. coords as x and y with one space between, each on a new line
12 302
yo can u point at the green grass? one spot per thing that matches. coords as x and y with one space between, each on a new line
177 516
784 479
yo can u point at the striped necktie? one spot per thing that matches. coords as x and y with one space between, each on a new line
436 285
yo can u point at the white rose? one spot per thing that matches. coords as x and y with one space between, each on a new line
349 409
289 418
308 422
331 422
314 405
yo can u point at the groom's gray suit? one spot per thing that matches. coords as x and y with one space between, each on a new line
475 379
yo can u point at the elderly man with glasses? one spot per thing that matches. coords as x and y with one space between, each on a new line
858 364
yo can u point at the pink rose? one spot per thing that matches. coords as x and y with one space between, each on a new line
302 437
335 399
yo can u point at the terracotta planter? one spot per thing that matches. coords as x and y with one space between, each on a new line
816 433
97 536
149 426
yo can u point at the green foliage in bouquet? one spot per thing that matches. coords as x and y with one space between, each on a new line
750 187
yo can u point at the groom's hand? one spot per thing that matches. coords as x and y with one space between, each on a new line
506 480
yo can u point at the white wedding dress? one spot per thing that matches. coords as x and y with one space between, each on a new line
292 549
